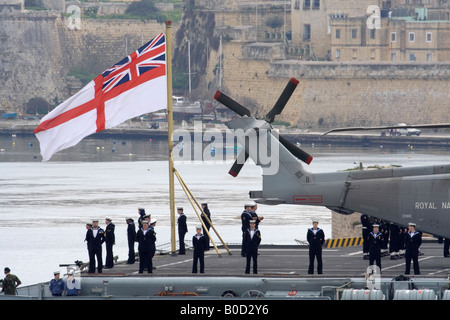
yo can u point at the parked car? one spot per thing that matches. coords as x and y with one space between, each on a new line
405 131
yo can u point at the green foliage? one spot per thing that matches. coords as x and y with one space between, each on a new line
85 76
145 9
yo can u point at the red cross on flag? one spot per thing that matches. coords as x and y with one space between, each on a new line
132 87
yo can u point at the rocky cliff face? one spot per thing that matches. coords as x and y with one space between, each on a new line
197 27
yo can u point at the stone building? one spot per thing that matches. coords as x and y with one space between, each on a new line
310 19
409 38
8 6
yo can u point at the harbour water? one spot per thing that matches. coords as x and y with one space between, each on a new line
44 206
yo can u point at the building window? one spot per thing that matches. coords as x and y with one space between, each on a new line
355 54
354 33
429 56
429 37
411 37
338 53
297 4
306 32
338 33
412 57
316 4
372 33
393 56
393 37
306 4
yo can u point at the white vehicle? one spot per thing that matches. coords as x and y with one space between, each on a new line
404 131
177 99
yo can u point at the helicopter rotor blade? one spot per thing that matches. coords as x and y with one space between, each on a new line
296 151
238 163
282 100
231 104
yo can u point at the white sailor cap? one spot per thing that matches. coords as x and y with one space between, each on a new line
249 204
145 222
56 272
412 224
153 221
252 221
109 219
375 225
94 220
315 220
198 227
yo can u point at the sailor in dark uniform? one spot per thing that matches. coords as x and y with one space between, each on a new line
110 240
182 229
446 248
141 212
255 215
412 244
199 243
131 237
252 240
152 225
95 238
246 217
145 238
375 240
206 223
366 229
316 238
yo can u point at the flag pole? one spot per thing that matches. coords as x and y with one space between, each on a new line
170 131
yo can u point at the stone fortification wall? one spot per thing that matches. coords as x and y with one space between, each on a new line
338 94
49 49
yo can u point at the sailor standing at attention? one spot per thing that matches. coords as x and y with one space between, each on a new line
376 240
182 229
95 238
145 238
412 243
252 240
246 217
206 222
199 242
131 237
316 238
110 240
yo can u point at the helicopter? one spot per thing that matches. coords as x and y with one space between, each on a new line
400 195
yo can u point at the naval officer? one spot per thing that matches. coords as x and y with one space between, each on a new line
110 240
412 243
182 229
246 217
375 240
199 242
95 237
316 238
146 238
252 239
131 237
206 220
